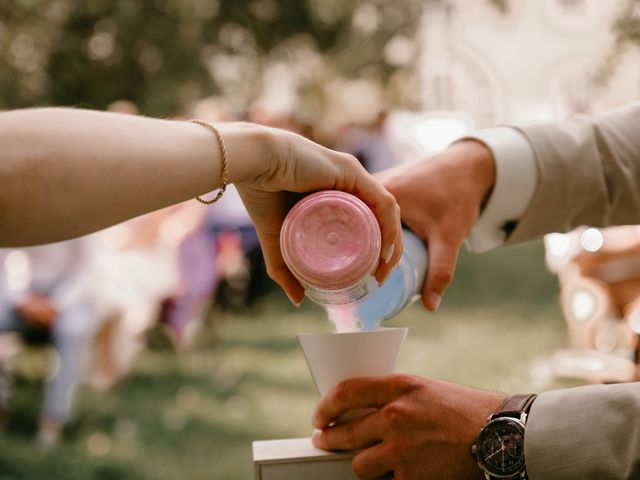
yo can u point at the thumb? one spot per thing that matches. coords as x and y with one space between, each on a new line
443 256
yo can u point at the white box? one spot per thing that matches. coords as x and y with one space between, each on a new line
297 458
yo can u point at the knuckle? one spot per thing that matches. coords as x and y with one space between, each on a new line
406 383
388 201
406 387
450 236
394 415
442 275
348 161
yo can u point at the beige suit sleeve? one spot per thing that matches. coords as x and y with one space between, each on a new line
585 433
588 173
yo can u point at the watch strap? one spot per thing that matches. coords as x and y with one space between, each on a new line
516 405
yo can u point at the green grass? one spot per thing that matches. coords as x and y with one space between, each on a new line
193 415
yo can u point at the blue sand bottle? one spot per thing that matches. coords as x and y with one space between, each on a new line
402 287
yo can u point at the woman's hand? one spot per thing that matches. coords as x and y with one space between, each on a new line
270 166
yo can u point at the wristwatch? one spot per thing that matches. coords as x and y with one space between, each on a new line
499 449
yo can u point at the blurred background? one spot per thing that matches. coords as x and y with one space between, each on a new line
159 349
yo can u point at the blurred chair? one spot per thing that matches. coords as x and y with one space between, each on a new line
219 260
599 276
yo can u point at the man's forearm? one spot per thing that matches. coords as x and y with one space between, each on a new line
588 432
65 172
589 173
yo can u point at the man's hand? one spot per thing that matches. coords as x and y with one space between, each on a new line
421 428
440 199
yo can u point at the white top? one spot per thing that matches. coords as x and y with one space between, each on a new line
516 178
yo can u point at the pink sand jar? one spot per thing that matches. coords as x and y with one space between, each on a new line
331 242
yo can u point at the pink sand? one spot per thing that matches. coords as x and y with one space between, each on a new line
331 240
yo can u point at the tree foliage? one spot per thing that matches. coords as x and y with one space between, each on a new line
164 53
626 31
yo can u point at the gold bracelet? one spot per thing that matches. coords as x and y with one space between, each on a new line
223 152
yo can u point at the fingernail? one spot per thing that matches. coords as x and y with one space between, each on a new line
389 254
315 436
434 300
295 304
383 279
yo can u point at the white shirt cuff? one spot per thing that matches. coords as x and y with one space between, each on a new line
516 179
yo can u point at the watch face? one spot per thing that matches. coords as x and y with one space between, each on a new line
500 447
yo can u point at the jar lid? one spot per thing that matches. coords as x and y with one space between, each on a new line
331 240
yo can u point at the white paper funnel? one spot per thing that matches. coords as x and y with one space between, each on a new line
334 357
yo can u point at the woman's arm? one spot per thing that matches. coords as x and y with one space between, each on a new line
67 172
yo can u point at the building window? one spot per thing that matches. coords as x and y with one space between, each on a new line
453 81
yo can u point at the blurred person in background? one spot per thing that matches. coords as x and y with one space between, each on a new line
369 144
136 265
46 292
527 181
